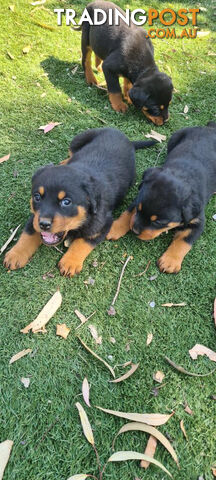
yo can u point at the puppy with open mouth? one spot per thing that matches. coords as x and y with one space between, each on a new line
76 198
174 195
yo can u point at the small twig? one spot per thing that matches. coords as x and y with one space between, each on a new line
120 279
142 273
47 431
58 250
98 461
161 150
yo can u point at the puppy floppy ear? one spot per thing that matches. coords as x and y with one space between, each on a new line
191 209
93 195
138 97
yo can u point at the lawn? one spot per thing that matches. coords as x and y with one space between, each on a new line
36 88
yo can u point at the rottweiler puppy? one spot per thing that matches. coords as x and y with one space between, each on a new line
126 51
76 199
174 195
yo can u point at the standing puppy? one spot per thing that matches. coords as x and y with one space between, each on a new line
174 195
128 52
76 199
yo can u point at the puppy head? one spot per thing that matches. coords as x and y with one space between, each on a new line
152 95
163 203
62 200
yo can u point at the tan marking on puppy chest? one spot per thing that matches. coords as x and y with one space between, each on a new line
153 218
61 194
41 190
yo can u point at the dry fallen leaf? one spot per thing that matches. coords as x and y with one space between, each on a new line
112 340
183 304
10 55
49 126
26 49
62 330
94 334
158 376
5 158
186 109
79 476
150 451
129 455
73 71
202 34
182 370
82 317
188 409
149 338
45 315
25 381
87 430
157 136
199 349
39 2
183 429
85 391
97 356
136 426
154 419
126 375
12 7
20 355
5 451
9 239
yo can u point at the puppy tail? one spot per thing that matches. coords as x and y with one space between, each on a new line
143 144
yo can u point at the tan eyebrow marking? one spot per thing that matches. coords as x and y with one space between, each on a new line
145 108
153 218
140 206
41 190
61 194
162 107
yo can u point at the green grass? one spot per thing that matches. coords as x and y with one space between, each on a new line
58 367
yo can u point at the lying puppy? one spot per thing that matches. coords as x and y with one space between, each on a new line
77 198
175 195
127 52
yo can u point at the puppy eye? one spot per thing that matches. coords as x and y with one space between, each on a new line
65 202
37 197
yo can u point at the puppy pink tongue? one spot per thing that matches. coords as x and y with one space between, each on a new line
49 237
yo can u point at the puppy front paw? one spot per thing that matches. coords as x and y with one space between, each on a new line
168 263
15 258
117 103
70 266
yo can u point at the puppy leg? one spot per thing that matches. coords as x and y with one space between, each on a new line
110 69
98 62
126 87
19 255
72 262
172 259
120 226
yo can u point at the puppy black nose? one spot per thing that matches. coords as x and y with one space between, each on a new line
45 224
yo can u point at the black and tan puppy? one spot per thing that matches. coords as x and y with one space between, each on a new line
175 195
77 198
128 52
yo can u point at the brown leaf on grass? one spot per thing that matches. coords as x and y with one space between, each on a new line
79 476
199 349
112 340
3 248
20 355
94 334
11 7
126 375
81 317
26 49
5 451
45 315
149 338
49 126
188 410
157 136
10 55
136 426
215 312
186 109
97 356
182 369
87 430
5 158
73 71
25 381
158 376
85 391
183 304
130 455
183 429
150 451
43 25
154 419
62 330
